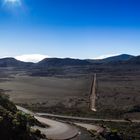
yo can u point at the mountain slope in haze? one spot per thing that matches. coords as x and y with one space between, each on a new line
134 60
58 62
12 62
122 57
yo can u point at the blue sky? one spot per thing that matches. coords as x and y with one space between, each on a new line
69 28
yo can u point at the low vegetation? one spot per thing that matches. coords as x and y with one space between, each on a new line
116 131
125 130
107 135
15 125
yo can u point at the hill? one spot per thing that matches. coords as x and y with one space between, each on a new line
58 62
122 57
12 62
118 58
134 60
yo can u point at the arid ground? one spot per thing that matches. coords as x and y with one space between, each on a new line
47 91
117 93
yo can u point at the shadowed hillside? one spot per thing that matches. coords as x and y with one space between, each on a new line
57 62
15 125
12 62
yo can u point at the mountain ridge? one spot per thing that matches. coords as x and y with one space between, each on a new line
58 62
12 62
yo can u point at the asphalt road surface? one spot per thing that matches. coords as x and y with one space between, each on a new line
56 130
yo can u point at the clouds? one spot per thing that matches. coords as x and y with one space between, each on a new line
31 57
38 57
106 56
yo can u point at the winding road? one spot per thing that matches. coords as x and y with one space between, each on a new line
63 131
56 130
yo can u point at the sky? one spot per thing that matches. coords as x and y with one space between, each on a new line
31 30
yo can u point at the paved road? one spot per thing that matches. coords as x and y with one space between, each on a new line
63 131
57 130
85 119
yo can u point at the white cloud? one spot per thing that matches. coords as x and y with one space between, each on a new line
105 56
31 57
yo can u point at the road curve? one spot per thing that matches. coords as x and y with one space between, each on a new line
57 130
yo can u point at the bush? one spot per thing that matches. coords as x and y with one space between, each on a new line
15 125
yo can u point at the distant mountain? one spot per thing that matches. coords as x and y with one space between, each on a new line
122 57
58 62
134 60
12 62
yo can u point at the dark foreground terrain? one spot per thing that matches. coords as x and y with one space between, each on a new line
15 125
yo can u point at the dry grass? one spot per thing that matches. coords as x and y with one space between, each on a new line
117 92
46 90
